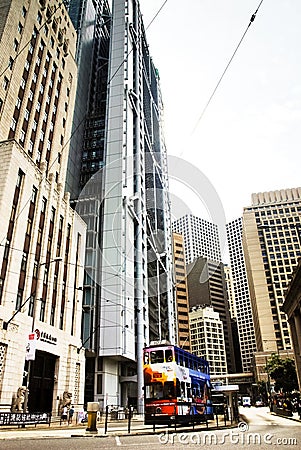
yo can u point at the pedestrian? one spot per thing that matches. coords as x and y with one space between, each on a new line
71 413
299 408
64 414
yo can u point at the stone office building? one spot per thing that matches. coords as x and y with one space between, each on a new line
42 240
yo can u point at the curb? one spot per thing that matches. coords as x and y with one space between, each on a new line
286 417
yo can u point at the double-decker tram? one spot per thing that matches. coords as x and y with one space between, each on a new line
177 386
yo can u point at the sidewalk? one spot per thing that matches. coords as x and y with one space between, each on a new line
56 430
295 416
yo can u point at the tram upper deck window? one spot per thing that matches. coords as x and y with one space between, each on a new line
157 356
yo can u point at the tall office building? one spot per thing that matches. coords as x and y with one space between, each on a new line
181 293
271 242
207 338
207 287
242 300
201 238
42 239
122 193
205 272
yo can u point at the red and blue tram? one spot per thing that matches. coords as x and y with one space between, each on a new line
177 386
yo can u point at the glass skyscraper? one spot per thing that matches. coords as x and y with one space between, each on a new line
117 176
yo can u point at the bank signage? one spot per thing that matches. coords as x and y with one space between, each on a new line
48 338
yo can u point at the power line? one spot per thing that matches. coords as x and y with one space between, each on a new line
226 68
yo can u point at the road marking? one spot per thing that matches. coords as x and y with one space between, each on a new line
117 440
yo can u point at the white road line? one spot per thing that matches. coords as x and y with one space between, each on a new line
117 440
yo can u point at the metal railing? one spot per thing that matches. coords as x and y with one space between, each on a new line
22 419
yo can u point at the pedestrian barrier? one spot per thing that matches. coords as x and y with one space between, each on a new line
21 419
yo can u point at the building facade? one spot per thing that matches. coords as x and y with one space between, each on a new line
292 307
242 300
42 239
123 197
207 338
271 242
207 287
181 293
201 238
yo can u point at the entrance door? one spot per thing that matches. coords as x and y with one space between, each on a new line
41 382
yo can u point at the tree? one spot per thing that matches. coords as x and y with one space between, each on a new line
283 372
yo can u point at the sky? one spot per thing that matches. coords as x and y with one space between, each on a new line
248 139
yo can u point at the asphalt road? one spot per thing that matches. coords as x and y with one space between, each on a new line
259 430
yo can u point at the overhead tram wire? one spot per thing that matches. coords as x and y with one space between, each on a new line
226 68
85 116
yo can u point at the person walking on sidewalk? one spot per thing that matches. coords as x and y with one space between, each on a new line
64 415
71 412
299 408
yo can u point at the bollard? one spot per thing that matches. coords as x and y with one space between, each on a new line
92 408
106 419
129 418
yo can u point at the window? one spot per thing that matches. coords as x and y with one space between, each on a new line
26 65
18 103
34 125
38 106
13 124
16 43
22 136
5 83
30 95
46 30
24 11
39 18
51 42
30 146
34 194
10 63
22 84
